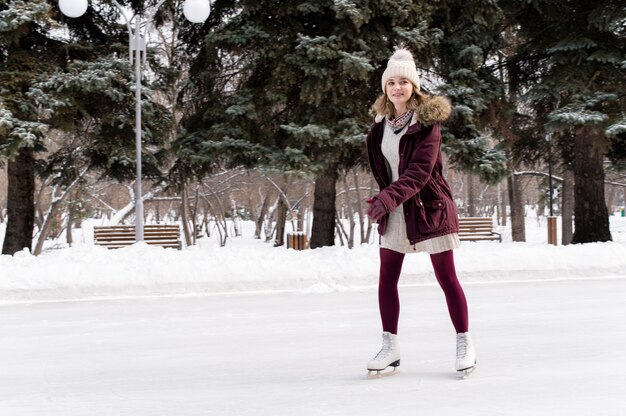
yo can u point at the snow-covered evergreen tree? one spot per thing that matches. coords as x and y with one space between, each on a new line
576 73
93 102
25 53
471 37
288 85
51 80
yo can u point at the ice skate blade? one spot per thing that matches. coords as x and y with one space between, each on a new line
376 374
465 373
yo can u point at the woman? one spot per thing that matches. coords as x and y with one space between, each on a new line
414 209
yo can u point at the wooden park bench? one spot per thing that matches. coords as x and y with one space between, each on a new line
477 229
116 236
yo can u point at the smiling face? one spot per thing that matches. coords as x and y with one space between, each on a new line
399 91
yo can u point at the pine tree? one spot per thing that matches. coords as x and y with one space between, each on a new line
576 73
51 81
290 85
465 59
483 130
26 51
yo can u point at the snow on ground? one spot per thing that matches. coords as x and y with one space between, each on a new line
246 264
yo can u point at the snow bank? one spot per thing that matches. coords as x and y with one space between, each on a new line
247 265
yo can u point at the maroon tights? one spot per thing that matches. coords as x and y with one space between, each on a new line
389 301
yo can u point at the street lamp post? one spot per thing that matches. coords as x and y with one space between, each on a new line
196 11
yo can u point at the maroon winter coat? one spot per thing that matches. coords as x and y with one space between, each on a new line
429 208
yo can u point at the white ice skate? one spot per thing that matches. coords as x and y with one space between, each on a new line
465 354
387 361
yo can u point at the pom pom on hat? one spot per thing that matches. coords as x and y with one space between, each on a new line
401 64
402 55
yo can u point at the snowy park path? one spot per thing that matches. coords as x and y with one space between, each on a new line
544 348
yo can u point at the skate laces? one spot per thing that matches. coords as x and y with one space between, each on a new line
384 351
461 346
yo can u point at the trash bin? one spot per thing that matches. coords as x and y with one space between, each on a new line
552 239
297 241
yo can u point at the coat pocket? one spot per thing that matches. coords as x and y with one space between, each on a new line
431 215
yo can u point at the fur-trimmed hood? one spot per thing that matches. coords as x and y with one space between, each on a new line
435 109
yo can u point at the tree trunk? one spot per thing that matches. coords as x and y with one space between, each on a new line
205 223
567 207
323 230
39 213
471 196
235 218
518 228
20 202
610 198
49 219
68 228
350 209
501 205
370 225
281 220
341 232
300 218
185 214
359 206
194 217
218 216
53 214
590 212
261 218
269 222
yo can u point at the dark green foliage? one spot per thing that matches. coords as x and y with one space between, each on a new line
292 84
72 82
466 60
80 87
293 81
575 77
574 53
94 103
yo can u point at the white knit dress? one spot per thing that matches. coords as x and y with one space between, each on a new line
395 235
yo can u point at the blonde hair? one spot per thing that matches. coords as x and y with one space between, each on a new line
383 107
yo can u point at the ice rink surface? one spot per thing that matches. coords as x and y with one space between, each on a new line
544 348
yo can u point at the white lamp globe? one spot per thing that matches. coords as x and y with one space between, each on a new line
73 8
196 11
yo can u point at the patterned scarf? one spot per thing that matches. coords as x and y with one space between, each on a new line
400 122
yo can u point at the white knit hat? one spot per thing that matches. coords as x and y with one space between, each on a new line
401 64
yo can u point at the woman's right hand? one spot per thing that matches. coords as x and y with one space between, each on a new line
376 209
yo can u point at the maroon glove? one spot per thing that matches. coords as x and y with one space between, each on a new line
376 210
